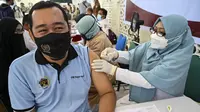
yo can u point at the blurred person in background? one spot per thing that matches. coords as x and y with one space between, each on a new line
18 12
12 47
73 11
89 11
78 18
83 6
6 10
30 44
101 17
96 40
96 7
23 8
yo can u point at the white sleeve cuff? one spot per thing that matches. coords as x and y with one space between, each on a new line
132 78
123 57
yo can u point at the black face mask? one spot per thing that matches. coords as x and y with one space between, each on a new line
54 45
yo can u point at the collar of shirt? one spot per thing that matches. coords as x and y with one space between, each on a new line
72 54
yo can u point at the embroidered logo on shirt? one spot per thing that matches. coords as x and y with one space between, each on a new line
44 82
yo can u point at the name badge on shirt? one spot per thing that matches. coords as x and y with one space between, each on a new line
77 77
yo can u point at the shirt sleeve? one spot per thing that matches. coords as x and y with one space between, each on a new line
123 57
132 78
97 46
21 96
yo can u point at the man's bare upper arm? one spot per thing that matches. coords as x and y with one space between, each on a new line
100 80
97 46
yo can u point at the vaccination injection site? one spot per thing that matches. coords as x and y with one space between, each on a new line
99 56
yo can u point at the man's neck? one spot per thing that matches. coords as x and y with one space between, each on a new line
59 62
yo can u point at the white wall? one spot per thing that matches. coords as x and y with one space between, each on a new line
115 15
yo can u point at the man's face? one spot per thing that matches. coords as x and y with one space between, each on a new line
49 20
100 12
11 2
89 12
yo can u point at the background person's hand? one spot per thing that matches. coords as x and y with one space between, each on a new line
104 66
109 54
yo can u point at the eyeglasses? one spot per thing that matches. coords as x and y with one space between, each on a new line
154 30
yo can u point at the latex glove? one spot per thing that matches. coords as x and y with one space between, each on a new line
103 66
109 54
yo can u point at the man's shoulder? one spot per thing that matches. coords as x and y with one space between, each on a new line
102 36
24 60
80 49
84 50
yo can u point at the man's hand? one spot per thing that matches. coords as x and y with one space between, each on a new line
104 87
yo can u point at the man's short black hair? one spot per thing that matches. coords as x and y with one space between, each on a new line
90 9
105 12
25 19
44 5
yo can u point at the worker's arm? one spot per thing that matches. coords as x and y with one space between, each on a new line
132 78
123 57
124 75
104 87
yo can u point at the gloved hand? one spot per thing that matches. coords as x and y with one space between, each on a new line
109 54
103 66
